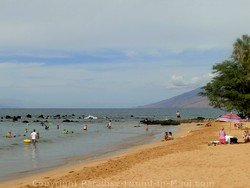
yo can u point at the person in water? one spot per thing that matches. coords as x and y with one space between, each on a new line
178 114
146 122
168 136
109 124
46 127
65 131
85 127
33 136
37 135
9 134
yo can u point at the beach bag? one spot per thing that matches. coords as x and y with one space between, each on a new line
234 140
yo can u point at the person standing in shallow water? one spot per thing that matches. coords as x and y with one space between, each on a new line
109 124
85 127
178 114
33 136
146 122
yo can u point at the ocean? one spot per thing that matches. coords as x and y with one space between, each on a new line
54 148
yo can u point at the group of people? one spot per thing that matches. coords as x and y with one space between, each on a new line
224 138
168 136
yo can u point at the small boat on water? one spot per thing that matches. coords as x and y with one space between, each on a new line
90 117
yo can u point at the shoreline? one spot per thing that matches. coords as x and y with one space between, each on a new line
188 157
181 131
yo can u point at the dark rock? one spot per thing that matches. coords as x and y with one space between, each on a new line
15 118
8 117
66 120
25 121
57 116
160 122
41 116
29 116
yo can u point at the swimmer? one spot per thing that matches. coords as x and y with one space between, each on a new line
9 135
109 124
65 131
85 127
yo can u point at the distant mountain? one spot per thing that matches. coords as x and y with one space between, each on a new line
189 99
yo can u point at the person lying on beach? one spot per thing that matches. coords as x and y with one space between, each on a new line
246 136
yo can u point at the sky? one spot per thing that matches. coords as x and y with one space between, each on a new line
112 53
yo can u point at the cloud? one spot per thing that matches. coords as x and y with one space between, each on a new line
82 25
94 53
178 81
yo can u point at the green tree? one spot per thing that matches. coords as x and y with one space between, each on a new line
230 87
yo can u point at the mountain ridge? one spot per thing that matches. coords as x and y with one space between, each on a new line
189 99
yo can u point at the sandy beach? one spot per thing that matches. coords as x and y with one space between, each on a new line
186 161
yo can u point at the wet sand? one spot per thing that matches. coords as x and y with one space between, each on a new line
186 161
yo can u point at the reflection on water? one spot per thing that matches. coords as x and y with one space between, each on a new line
34 155
31 151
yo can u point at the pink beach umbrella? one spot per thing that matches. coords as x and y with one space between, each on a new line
230 118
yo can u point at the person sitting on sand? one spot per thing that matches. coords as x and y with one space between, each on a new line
208 124
222 136
246 136
168 136
238 125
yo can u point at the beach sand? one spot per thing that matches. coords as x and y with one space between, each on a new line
186 161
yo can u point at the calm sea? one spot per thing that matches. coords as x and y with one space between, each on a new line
55 148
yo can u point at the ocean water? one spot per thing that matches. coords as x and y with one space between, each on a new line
54 148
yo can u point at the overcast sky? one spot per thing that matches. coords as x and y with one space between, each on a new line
112 53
